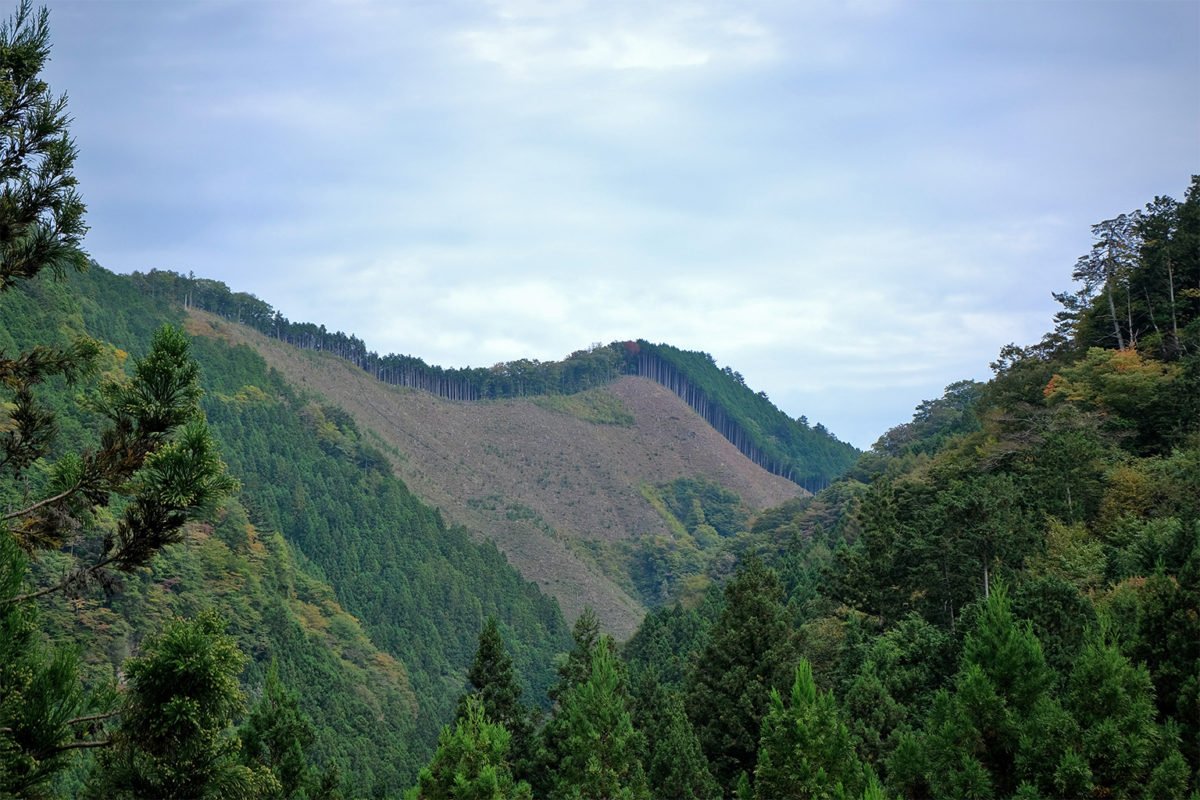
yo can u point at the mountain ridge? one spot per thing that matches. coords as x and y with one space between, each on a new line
811 457
561 496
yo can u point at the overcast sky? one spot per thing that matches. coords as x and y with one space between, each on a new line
852 203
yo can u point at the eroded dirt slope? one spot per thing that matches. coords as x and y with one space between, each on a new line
558 494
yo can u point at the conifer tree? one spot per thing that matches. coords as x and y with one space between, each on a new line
41 213
1008 653
278 735
1113 702
471 762
667 638
494 684
806 751
157 455
577 666
973 734
597 746
154 448
43 710
675 765
574 668
174 738
743 790
154 455
729 687
492 681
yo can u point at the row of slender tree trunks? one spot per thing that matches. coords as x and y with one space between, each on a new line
472 385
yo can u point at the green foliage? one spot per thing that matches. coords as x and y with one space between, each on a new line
318 504
576 667
419 588
359 697
1138 282
935 422
666 643
748 653
675 765
494 685
696 502
1113 702
173 740
1008 653
974 731
932 542
597 748
953 594
1060 616
812 457
471 761
278 736
1069 482
156 451
151 467
40 693
894 685
594 405
701 517
806 750
41 213
492 681
1126 389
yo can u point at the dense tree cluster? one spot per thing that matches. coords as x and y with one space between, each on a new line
318 502
809 456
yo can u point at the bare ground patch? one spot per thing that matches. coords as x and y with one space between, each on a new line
536 481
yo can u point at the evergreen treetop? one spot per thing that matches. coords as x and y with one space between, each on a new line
41 213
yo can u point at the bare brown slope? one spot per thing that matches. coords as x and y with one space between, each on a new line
556 493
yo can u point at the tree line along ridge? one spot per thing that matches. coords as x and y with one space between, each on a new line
809 456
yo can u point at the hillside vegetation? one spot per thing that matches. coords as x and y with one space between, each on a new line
556 481
214 585
324 562
1000 600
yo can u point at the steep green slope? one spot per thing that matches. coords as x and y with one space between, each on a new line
421 588
329 533
812 457
277 610
1002 597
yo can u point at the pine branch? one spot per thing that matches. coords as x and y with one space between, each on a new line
41 504
79 745
74 577
92 718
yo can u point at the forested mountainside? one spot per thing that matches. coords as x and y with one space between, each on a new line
213 585
570 487
323 564
1000 600
809 456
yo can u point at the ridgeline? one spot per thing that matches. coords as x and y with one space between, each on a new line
811 457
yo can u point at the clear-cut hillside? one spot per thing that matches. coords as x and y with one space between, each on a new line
560 495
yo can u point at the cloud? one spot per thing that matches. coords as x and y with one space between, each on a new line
851 204
542 40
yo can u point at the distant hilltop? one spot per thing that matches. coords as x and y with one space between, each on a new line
811 457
